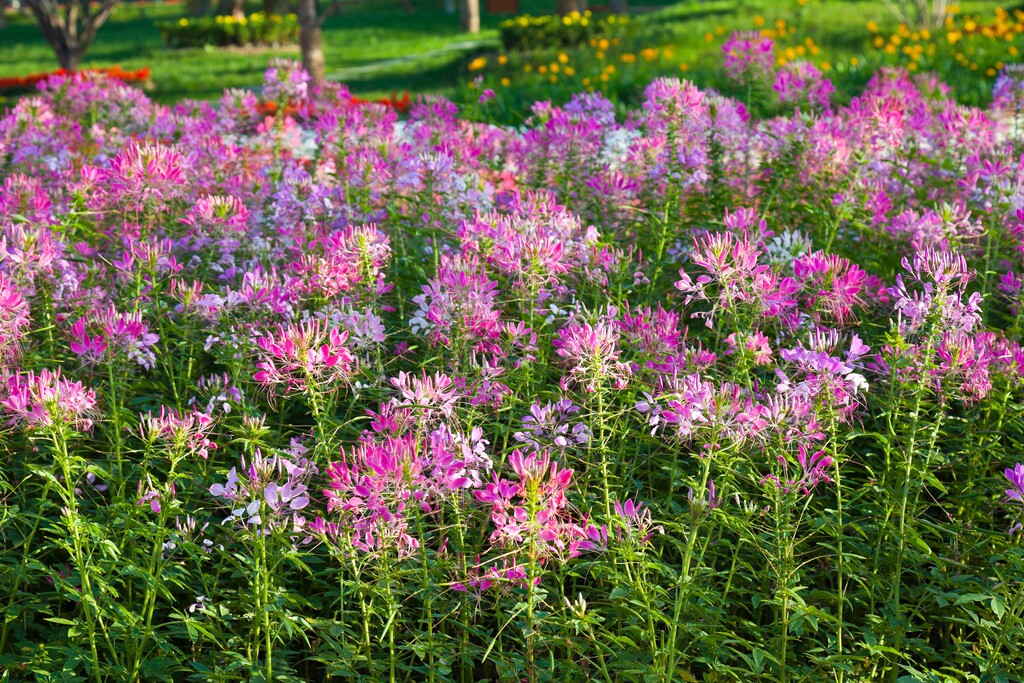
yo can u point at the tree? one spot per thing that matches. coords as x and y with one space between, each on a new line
311 39
469 16
276 7
564 7
70 26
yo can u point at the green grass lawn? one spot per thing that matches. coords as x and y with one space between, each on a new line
382 30
375 30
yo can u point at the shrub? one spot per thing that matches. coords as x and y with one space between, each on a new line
526 32
225 30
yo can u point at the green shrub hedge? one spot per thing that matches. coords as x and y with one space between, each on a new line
526 32
255 29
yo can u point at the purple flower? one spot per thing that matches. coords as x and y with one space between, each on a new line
1015 475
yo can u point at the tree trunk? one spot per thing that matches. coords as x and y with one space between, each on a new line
469 16
70 59
564 7
619 6
279 7
311 40
199 8
70 27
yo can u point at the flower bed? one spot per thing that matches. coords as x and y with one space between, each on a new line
27 83
685 394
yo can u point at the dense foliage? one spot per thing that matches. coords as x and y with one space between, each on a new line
226 30
526 32
306 391
967 53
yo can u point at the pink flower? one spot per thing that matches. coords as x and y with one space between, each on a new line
46 399
302 356
592 355
534 514
14 319
188 433
748 56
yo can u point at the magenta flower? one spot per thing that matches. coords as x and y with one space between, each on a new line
217 215
748 56
731 267
343 261
592 355
146 174
831 284
14 319
187 433
426 394
109 334
801 82
40 401
534 514
303 356
458 303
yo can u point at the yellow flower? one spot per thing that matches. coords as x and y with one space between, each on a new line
873 27
527 68
825 66
553 78
912 66
586 81
553 68
506 82
604 78
1013 50
758 21
720 30
478 63
684 67
801 2
503 59
990 72
602 44
709 37
610 69
569 71
628 58
854 61
183 22
599 55
542 69
563 58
